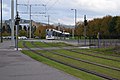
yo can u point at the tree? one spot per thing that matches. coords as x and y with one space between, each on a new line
112 25
20 27
25 28
8 29
104 30
3 29
106 26
22 33
117 27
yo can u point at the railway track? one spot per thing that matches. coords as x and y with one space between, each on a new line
70 65
78 59
94 55
96 52
87 54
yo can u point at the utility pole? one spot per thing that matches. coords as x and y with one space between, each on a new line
12 21
73 30
48 20
1 23
30 23
16 6
48 16
16 29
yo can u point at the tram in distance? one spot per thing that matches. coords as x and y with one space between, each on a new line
52 34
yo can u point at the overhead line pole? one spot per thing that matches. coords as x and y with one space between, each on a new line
48 16
30 23
73 30
1 23
12 22
16 41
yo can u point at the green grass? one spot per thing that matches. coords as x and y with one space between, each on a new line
107 51
105 54
41 44
72 71
80 64
90 58
52 44
20 44
59 44
28 43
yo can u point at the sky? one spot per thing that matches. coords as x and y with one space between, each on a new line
60 10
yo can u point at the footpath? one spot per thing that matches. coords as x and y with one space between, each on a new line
16 66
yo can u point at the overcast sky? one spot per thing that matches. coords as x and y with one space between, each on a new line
60 10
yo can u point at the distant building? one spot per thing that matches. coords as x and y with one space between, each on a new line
3 24
23 23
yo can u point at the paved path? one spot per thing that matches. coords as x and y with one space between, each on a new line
16 66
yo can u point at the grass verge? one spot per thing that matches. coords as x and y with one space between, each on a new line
72 71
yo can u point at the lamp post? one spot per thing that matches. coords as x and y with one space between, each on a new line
74 22
1 23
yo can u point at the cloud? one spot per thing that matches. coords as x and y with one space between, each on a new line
60 9
98 5
5 11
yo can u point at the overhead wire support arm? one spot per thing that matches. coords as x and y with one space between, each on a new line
23 4
37 12
33 13
38 4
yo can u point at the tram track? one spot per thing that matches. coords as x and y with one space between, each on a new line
96 52
70 65
78 59
87 54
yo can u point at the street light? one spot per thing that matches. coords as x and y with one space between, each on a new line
1 22
75 22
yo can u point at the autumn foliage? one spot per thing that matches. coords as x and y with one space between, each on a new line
107 25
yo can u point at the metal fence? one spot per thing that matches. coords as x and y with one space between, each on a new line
102 41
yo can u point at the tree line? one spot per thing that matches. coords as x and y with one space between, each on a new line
106 26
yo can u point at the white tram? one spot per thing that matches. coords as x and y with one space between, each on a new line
55 34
